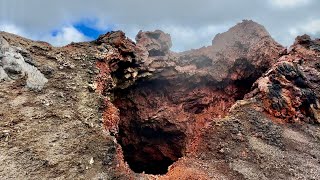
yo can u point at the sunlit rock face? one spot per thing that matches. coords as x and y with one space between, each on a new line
17 63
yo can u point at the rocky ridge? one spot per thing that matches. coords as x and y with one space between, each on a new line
115 109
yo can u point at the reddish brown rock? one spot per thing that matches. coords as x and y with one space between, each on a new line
113 110
289 90
123 63
184 93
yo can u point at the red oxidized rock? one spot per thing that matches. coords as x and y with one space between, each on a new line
186 91
289 90
165 112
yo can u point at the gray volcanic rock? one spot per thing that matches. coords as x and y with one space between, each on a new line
157 43
13 66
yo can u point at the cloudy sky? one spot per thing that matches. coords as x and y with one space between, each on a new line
192 24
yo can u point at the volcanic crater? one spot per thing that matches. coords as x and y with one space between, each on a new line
165 99
243 107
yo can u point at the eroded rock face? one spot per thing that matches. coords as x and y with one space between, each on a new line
122 64
164 115
16 63
182 92
289 90
157 43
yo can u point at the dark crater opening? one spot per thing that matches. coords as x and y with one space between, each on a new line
154 148
156 113
149 140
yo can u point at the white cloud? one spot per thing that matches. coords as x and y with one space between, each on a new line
65 36
183 37
186 38
12 29
311 27
289 3
189 22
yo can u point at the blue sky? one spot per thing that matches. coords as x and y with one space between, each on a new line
88 28
89 31
84 29
192 24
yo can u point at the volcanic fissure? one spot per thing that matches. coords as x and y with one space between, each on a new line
150 140
158 117
163 109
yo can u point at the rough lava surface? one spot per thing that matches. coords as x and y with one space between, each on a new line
243 108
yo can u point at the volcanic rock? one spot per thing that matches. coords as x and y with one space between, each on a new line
244 45
115 109
289 90
16 63
157 43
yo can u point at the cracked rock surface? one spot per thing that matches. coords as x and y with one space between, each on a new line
16 63
242 108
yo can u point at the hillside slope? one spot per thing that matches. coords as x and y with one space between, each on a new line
243 108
